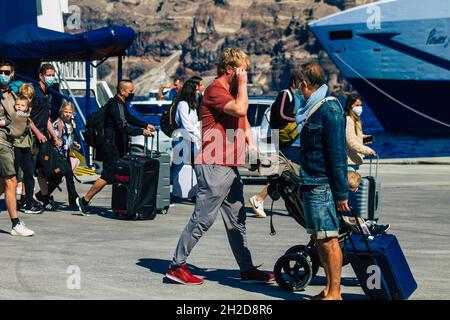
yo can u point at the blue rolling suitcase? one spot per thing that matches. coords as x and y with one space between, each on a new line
380 266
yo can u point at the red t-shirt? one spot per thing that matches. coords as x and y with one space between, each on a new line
223 136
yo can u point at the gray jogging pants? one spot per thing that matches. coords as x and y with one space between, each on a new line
220 189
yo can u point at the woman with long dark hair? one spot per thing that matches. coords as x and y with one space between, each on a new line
187 138
356 150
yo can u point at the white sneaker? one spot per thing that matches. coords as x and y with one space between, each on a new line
257 206
21 230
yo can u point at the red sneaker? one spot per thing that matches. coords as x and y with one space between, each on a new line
256 276
183 275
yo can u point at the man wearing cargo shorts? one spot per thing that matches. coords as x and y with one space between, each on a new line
323 173
225 133
8 182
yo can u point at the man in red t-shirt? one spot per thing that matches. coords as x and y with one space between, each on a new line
225 134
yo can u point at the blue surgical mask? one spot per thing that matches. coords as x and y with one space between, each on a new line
4 79
300 100
49 81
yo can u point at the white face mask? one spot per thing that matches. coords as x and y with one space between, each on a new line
358 110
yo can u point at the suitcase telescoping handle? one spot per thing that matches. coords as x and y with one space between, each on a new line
153 140
376 166
157 138
146 146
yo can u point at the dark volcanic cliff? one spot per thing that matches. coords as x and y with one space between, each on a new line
185 37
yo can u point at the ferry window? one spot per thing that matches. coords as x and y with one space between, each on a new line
341 34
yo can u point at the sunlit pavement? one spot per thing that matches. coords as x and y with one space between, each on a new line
102 257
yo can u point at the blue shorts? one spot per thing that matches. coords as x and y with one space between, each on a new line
320 212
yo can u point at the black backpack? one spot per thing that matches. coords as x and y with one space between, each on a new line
94 134
286 101
52 163
167 123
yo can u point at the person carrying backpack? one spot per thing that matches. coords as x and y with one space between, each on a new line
186 118
118 126
42 128
65 129
282 117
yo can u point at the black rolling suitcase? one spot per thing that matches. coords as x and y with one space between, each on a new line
368 195
135 186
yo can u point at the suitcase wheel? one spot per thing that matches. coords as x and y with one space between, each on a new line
293 272
312 257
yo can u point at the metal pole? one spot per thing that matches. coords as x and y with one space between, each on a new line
87 111
119 69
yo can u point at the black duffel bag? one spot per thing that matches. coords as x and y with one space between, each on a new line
52 163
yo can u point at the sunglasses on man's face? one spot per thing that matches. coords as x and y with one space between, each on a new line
5 72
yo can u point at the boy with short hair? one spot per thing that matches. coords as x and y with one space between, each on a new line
354 180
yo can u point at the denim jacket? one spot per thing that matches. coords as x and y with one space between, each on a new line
323 149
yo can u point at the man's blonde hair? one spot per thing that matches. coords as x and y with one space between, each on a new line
354 180
27 90
233 57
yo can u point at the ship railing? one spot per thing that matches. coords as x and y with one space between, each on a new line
74 70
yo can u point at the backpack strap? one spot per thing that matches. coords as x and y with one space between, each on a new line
288 93
318 105
9 112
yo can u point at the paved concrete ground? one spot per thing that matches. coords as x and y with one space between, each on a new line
127 259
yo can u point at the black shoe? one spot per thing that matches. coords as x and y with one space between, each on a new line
379 228
50 205
33 207
82 206
47 202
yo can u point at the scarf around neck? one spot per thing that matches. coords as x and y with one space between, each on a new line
302 114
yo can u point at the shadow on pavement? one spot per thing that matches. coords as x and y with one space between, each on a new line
225 277
250 214
345 281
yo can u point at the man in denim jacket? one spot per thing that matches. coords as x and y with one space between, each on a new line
323 160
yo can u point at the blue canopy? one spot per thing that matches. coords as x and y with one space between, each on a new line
32 42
